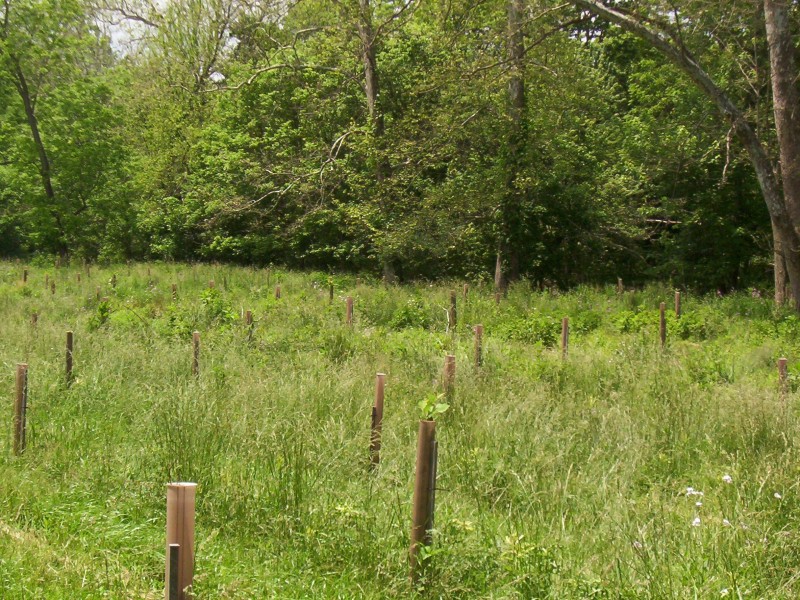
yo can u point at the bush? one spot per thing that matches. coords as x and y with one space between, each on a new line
412 314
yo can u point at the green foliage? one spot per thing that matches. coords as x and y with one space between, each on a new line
101 315
431 407
536 328
217 310
412 314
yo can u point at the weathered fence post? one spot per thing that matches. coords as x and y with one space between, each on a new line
564 337
34 320
174 291
349 310
69 358
114 281
20 408
173 570
211 284
677 303
466 292
180 531
451 313
783 376
196 353
53 287
277 292
25 276
377 422
78 277
97 294
497 298
478 345
663 323
424 494
620 287
248 320
449 378
330 292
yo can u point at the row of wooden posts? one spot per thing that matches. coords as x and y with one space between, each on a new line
179 565
181 496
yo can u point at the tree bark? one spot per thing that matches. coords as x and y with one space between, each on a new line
21 83
786 231
507 265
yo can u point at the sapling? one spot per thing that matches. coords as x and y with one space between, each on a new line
432 406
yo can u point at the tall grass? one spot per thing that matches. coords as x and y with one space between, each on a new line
557 479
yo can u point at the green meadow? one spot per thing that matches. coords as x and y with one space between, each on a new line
625 470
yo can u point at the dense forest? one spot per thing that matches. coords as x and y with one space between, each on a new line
470 138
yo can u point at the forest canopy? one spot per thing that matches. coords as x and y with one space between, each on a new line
469 138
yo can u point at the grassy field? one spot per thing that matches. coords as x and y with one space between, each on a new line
624 471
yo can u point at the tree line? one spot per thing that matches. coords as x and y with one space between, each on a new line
566 142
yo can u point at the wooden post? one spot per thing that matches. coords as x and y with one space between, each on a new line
97 294
449 379
330 293
497 298
478 345
211 284
20 408
377 422
196 353
53 287
78 277
180 531
677 304
663 323
173 569
424 494
465 292
248 320
114 281
25 276
174 291
349 311
783 376
278 292
451 314
88 271
34 320
564 337
69 358
620 287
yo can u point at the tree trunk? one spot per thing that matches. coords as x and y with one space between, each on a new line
21 83
786 231
499 278
779 269
510 207
786 105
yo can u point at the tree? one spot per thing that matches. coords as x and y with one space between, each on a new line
783 204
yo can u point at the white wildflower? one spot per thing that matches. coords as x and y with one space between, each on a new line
726 523
690 491
724 592
696 522
637 544
727 479
698 504
777 496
